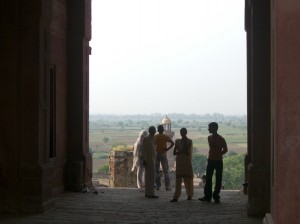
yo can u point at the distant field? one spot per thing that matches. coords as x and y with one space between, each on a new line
235 135
236 139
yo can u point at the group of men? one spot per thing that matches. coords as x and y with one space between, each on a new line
153 155
155 149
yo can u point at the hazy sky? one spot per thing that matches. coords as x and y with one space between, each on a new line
168 56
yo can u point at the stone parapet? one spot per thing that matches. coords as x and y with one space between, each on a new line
120 164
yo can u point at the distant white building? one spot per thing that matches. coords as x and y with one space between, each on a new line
166 122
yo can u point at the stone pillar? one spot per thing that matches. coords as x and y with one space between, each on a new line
79 35
285 181
26 169
259 168
120 164
248 157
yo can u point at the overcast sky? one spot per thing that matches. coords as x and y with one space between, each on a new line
168 56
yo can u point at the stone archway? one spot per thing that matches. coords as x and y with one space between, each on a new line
44 90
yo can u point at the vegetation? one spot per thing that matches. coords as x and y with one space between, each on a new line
106 130
122 147
100 154
103 170
199 162
105 140
233 171
116 132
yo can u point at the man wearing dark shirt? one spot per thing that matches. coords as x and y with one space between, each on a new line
217 148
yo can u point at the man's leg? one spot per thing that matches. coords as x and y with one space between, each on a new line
148 190
149 180
189 186
208 184
218 185
157 176
165 168
178 187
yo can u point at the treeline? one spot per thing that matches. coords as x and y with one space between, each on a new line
126 122
233 169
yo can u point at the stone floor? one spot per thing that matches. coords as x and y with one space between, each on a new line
124 205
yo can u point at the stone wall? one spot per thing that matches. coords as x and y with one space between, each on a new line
120 164
44 131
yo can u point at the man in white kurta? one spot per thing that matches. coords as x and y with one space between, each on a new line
149 155
138 159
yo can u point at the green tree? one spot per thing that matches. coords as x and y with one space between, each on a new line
231 153
105 140
199 162
103 170
233 171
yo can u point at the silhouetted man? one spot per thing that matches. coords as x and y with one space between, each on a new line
217 148
161 141
149 162
184 170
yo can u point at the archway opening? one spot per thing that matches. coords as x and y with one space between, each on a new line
192 54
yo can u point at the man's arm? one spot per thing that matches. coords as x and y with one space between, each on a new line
224 148
171 143
175 149
191 150
144 152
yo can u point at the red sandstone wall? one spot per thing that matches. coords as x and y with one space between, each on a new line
286 109
33 37
19 88
8 98
57 35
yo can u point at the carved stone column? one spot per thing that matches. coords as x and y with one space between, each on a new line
79 168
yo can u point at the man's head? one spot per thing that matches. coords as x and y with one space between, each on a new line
213 127
183 132
152 130
160 128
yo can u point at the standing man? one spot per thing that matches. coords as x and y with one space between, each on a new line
149 162
217 148
161 141
184 170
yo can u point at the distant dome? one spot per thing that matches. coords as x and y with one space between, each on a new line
166 120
